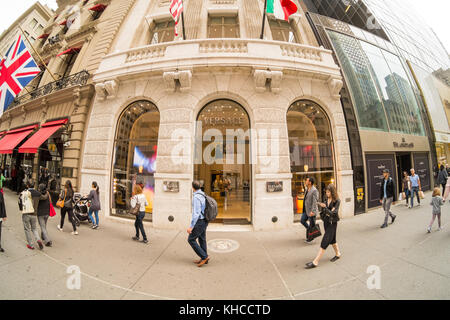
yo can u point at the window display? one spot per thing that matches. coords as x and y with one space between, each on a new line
135 151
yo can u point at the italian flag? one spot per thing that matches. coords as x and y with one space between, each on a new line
282 9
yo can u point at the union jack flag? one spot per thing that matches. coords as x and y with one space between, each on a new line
176 7
16 71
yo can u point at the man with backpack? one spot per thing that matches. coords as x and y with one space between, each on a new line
28 205
204 210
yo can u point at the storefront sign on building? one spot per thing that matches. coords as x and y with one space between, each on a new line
403 144
171 186
274 186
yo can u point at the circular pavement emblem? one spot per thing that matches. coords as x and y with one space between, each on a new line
223 245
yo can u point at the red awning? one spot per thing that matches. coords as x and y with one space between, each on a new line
63 23
69 51
14 137
46 131
44 36
98 7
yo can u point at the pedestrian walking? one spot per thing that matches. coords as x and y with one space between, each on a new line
330 216
406 187
2 181
43 213
65 202
28 204
415 187
140 200
53 193
199 224
94 197
387 197
442 178
2 218
311 205
304 219
436 202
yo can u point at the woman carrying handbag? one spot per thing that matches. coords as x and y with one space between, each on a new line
65 202
330 216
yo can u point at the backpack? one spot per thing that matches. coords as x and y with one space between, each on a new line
26 202
210 212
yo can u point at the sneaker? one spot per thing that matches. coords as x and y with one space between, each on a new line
93 227
145 241
49 244
30 247
74 233
384 225
428 230
59 228
41 245
393 219
135 238
96 226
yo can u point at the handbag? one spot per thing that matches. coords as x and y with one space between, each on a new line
421 195
400 196
52 210
135 210
60 202
313 232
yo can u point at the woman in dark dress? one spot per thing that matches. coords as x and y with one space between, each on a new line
330 217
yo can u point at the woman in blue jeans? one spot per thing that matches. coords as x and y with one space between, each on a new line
139 199
94 197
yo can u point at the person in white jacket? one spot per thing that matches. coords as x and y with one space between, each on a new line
139 199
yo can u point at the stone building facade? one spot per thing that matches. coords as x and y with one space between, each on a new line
153 90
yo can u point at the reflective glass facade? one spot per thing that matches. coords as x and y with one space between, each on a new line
379 85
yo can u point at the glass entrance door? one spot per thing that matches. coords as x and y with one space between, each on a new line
223 165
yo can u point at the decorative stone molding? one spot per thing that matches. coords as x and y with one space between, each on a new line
268 79
335 86
24 113
44 108
223 45
302 52
178 79
107 89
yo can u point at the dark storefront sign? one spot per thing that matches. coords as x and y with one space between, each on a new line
422 168
375 164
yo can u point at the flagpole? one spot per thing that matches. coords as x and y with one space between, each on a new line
182 21
37 53
264 20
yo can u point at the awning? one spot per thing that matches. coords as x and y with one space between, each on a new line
44 36
46 131
69 51
98 7
63 23
13 138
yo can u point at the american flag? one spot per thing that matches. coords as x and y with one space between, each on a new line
16 71
176 7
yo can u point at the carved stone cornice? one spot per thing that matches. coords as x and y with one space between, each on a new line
335 86
107 89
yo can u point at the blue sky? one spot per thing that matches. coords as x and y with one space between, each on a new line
435 13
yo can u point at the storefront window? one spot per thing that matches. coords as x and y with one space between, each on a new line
311 150
135 150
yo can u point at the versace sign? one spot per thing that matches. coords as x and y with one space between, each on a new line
404 144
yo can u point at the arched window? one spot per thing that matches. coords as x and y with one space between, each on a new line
311 149
135 149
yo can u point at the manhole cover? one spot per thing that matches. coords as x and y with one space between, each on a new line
223 245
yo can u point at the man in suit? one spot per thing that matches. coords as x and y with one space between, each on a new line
310 204
387 197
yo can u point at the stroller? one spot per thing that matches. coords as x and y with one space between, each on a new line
80 209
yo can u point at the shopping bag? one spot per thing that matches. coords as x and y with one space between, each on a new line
400 196
52 210
313 232
421 195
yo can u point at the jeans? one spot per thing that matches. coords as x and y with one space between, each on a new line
416 191
96 216
43 224
443 188
199 232
387 202
65 210
139 225
304 220
407 194
30 227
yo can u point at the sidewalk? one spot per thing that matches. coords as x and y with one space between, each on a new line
265 265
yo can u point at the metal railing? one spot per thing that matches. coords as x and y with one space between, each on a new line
77 79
